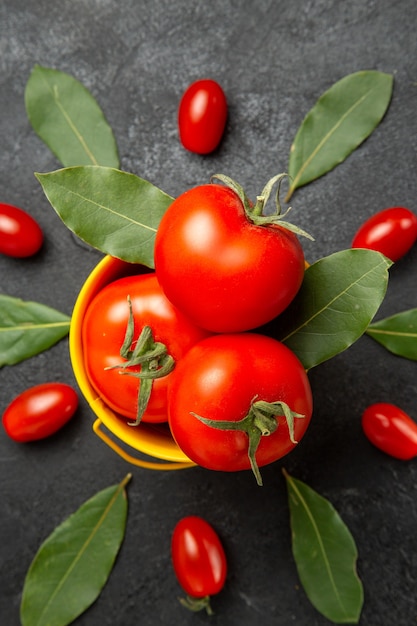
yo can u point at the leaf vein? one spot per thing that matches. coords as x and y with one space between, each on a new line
71 124
332 301
110 210
326 137
29 326
82 550
393 333
321 545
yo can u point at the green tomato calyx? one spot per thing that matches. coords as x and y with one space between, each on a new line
255 212
152 357
261 421
197 604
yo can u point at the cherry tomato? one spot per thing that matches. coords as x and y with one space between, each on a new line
199 561
40 411
223 271
202 116
103 333
20 235
227 378
391 231
391 430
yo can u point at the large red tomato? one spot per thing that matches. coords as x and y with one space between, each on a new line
227 378
225 272
103 333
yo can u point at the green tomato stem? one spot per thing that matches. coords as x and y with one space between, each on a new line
255 213
152 357
197 604
261 421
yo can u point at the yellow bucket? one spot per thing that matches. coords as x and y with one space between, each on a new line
152 440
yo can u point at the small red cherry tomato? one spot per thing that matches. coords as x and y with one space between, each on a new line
20 235
391 430
40 411
199 561
391 231
202 116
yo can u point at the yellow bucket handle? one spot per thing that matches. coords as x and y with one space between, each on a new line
136 461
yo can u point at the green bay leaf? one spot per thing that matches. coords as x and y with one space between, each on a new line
73 564
397 333
28 328
342 118
68 119
113 211
325 554
338 298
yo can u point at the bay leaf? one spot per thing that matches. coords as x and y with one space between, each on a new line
342 118
73 564
397 333
28 328
325 554
113 211
68 119
338 298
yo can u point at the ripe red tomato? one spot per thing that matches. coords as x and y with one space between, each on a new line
202 116
391 430
103 333
227 378
199 561
40 411
391 231
223 271
20 235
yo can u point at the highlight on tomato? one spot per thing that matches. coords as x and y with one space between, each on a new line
224 264
392 232
202 116
239 401
132 337
390 429
40 411
20 234
199 562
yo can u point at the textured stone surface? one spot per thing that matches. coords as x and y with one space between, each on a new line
273 59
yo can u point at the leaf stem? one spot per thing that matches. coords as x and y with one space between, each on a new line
125 480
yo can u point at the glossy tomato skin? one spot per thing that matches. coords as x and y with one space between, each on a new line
202 116
392 232
20 235
224 272
219 379
198 557
391 430
40 411
103 332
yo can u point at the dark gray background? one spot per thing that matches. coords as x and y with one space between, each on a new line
273 59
